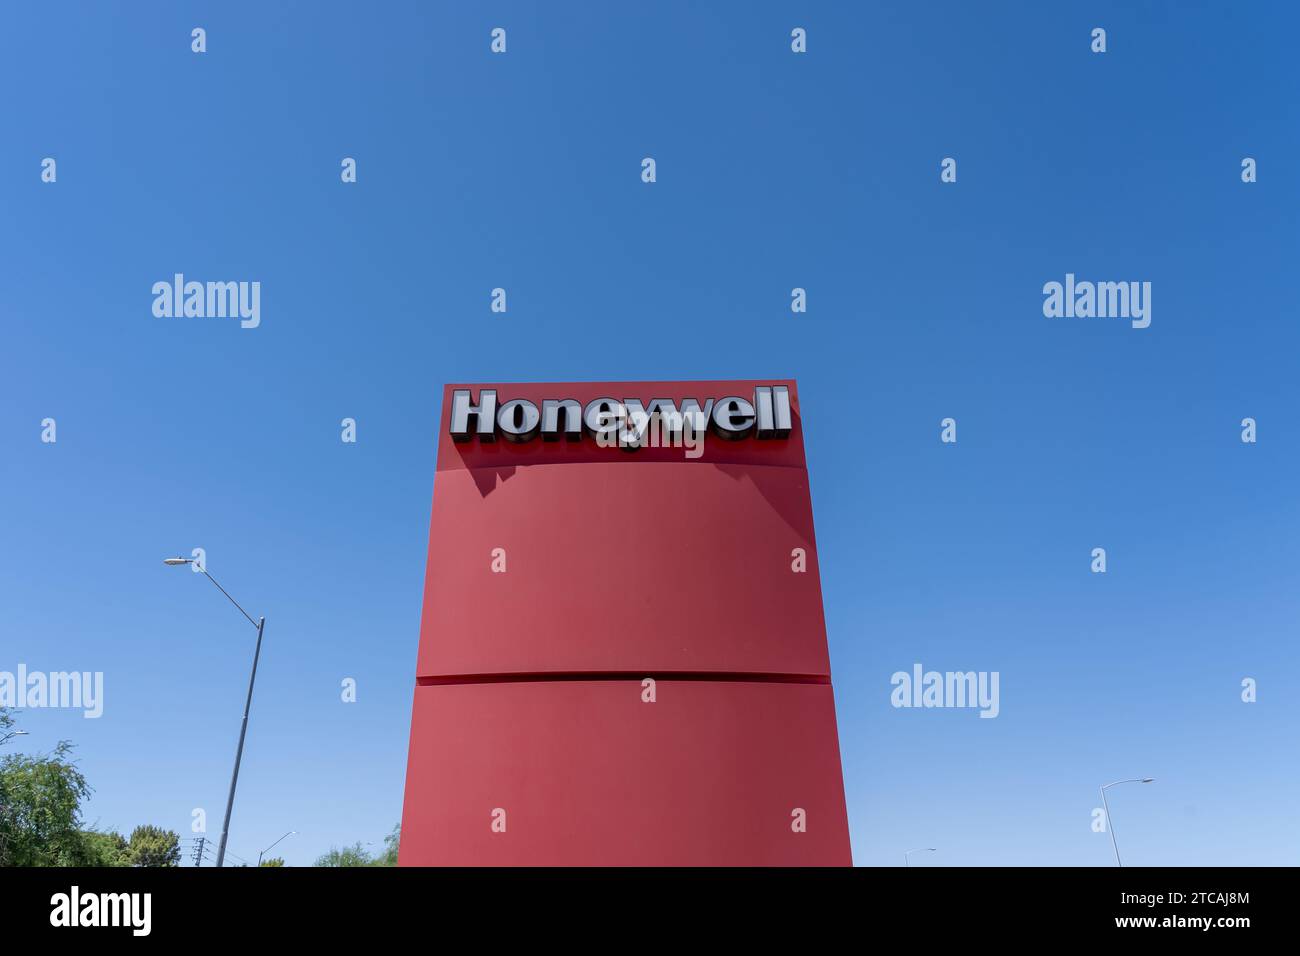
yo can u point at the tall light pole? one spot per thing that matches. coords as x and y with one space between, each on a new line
1109 825
272 846
12 733
907 862
260 623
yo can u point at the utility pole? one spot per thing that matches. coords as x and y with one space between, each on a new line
198 851
260 624
1113 842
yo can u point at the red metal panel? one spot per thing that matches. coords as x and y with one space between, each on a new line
621 565
589 774
618 560
613 567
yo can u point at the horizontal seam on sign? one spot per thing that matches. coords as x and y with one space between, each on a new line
533 677
596 461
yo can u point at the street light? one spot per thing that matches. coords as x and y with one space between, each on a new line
923 849
269 848
1109 825
12 733
260 623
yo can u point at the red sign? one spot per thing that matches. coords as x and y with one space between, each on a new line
623 652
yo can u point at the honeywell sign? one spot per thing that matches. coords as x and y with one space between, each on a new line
583 697
629 423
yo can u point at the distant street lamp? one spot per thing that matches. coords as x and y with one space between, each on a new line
12 733
260 623
923 849
1109 825
269 848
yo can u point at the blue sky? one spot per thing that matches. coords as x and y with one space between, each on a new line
775 170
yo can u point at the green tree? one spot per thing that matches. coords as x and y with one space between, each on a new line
389 856
40 817
358 855
274 861
40 809
153 846
354 855
103 848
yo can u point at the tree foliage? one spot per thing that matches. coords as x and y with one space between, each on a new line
152 846
40 809
389 856
354 855
40 817
358 855
103 848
